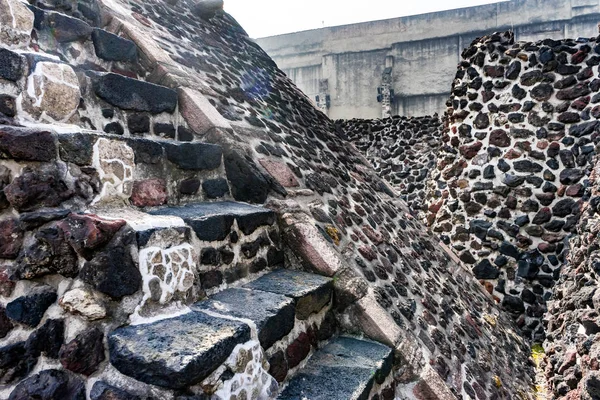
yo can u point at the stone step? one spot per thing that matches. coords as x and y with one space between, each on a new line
176 352
185 350
346 368
273 301
213 221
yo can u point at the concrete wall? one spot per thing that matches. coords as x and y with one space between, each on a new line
425 49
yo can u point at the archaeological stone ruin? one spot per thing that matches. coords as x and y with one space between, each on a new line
178 220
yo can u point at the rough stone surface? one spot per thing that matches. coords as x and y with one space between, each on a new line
29 309
50 384
135 95
176 352
52 92
345 368
310 292
273 314
213 221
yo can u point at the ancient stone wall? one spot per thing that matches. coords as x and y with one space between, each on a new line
572 345
522 132
402 150
156 167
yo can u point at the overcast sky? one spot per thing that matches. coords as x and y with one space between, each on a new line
262 18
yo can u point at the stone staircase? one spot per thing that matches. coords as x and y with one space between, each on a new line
187 287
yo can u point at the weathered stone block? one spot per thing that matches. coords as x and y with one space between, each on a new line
310 292
272 313
176 352
132 94
111 47
194 156
52 92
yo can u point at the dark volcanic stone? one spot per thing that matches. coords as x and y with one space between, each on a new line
570 176
278 366
5 325
215 188
272 313
194 156
485 270
76 148
509 250
157 354
513 304
11 238
527 166
84 353
542 92
37 188
24 144
8 105
30 308
131 94
513 180
104 391
338 358
212 221
48 252
11 65
32 220
88 232
583 129
310 292
499 138
513 70
111 47
66 28
112 270
138 123
189 186
50 384
564 207
572 93
247 182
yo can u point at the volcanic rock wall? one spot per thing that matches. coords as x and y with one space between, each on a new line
133 136
572 343
402 150
522 134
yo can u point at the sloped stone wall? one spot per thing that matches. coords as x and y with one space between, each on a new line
257 139
522 131
402 150
572 343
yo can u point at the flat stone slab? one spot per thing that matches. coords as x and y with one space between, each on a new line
177 352
310 292
213 221
346 368
133 94
272 313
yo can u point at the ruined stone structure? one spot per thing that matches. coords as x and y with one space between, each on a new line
177 221
513 172
418 53
402 150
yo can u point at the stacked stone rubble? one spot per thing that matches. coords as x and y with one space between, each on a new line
105 154
402 150
572 345
512 173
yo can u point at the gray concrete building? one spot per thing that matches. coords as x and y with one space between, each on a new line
355 70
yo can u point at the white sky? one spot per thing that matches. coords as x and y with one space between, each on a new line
262 18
